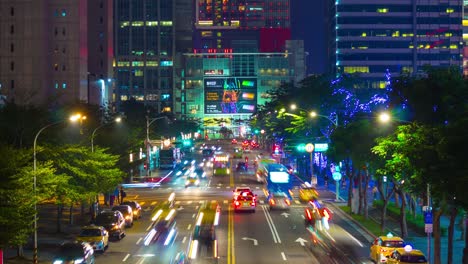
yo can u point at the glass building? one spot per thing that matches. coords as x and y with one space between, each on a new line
372 37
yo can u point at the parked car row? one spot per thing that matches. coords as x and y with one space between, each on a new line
95 237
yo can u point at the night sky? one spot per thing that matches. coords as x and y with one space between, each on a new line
308 23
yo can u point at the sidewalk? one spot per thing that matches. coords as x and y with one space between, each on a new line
417 240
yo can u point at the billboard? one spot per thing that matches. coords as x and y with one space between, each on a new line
230 95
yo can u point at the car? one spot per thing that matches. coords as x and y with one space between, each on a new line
245 201
113 222
201 174
163 229
407 255
307 193
127 213
240 189
136 208
241 166
180 258
317 215
383 246
192 179
96 236
238 153
74 252
279 200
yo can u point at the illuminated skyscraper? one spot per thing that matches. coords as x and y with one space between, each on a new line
144 52
371 36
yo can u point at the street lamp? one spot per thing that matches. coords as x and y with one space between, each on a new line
149 121
116 120
313 114
73 118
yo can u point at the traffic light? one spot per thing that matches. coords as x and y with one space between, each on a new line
145 166
301 147
187 143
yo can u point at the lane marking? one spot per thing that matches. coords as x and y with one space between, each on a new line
303 217
218 187
193 216
284 256
183 240
189 202
189 226
297 202
152 203
177 202
138 241
274 232
149 227
126 257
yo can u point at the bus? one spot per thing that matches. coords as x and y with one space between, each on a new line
262 169
221 164
169 157
275 176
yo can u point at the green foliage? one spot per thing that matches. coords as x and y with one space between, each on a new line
369 224
16 205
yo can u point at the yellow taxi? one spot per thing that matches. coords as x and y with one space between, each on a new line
383 246
96 236
307 193
407 255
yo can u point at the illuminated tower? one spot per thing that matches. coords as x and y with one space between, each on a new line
241 25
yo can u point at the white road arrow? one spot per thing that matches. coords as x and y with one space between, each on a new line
301 240
285 214
255 242
180 208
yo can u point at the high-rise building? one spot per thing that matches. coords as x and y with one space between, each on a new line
144 52
242 49
372 38
252 25
465 37
44 50
101 53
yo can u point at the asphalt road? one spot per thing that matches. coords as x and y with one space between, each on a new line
261 237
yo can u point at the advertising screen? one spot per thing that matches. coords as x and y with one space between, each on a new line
230 95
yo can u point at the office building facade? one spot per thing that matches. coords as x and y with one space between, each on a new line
44 51
144 52
373 38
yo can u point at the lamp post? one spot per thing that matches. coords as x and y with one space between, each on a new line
312 114
116 120
149 121
73 118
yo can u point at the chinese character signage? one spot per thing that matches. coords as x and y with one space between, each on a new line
230 95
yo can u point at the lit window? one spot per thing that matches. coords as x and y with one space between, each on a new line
382 10
64 85
166 63
56 85
152 63
124 24
151 23
453 46
448 34
364 34
56 66
166 23
64 12
396 34
449 10
138 73
137 24
165 96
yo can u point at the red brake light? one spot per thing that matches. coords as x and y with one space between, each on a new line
272 201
